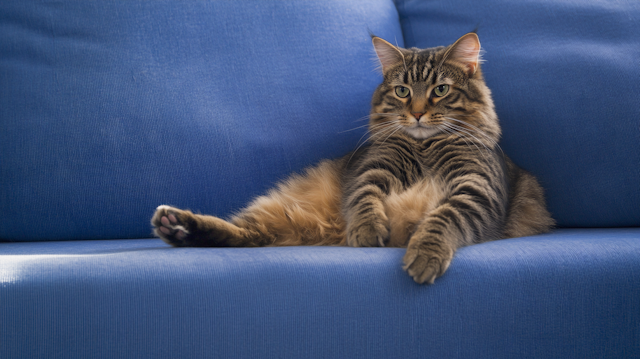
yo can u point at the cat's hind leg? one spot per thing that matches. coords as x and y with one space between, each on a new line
182 228
303 210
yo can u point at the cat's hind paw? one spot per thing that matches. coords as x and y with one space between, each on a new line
172 225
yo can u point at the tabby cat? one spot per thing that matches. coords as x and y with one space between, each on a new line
432 177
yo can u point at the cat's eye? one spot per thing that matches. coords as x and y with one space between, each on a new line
402 91
441 90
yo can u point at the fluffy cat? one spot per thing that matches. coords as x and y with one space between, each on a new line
432 177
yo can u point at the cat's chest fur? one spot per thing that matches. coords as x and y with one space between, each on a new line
413 161
406 208
420 185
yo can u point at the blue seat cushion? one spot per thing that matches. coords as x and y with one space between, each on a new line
569 294
111 108
564 77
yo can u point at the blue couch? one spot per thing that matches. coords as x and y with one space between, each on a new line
110 108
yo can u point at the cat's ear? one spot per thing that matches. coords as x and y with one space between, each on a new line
466 51
388 54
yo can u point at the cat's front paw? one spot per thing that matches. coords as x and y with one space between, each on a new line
426 260
371 233
173 225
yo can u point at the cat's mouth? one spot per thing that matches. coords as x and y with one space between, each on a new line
421 131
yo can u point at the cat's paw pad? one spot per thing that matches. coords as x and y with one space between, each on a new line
369 234
426 261
171 225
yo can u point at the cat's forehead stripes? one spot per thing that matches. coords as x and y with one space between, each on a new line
420 66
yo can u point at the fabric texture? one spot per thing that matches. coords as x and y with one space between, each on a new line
564 77
570 294
110 108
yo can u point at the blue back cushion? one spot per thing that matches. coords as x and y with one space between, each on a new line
111 108
565 77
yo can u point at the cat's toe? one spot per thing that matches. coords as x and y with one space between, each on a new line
169 225
373 234
425 264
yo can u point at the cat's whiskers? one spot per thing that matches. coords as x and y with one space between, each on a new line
397 128
453 132
371 127
386 114
461 132
478 131
379 132
368 117
383 127
466 132
363 118
355 128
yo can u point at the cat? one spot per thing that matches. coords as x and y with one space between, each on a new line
432 177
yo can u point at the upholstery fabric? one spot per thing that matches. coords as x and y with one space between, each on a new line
111 108
516 298
564 77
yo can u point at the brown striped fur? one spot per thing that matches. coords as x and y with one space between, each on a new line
432 177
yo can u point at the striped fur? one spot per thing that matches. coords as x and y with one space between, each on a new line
432 177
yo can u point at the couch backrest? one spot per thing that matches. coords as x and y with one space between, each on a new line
110 108
565 77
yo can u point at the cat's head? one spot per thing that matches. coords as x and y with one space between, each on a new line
433 91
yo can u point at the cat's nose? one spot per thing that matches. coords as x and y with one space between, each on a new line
417 115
